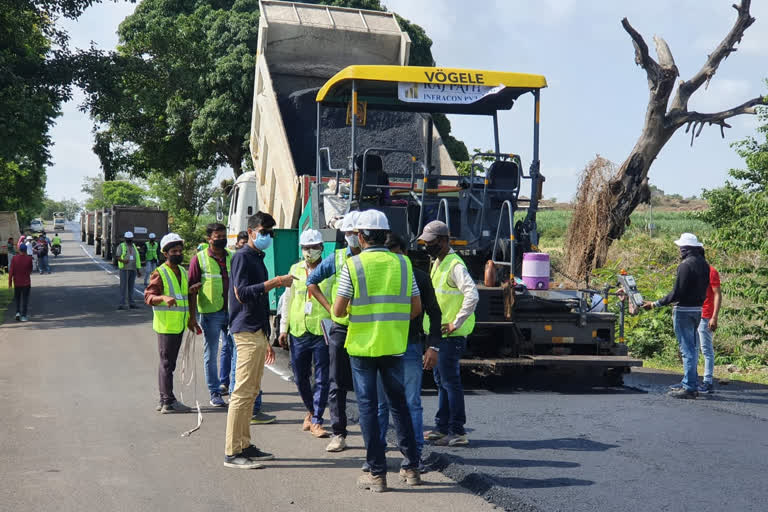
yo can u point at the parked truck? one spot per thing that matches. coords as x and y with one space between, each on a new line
139 220
9 228
99 216
90 227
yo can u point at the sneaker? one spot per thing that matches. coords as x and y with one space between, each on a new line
24 319
307 425
217 401
423 468
159 406
318 431
175 407
338 443
18 316
707 387
262 419
376 483
683 393
434 435
673 387
223 390
254 453
240 462
452 440
366 467
410 476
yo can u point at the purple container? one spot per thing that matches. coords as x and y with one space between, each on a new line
536 270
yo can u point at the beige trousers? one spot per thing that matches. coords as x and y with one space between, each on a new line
251 352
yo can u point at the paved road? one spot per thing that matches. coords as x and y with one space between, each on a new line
79 430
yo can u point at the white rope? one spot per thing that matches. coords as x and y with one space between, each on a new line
186 362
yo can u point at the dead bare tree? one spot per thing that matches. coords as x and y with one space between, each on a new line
587 247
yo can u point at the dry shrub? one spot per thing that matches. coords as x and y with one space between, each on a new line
590 213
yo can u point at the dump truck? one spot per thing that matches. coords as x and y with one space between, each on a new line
373 145
90 227
139 220
99 216
9 228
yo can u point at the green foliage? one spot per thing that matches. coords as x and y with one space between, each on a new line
104 194
70 207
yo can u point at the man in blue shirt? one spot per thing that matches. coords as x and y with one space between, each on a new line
340 371
249 325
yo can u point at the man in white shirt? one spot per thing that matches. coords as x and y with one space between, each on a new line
457 296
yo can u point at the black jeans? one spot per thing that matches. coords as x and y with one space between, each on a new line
168 345
21 296
340 379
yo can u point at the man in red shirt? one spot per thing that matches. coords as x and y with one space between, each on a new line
19 278
707 327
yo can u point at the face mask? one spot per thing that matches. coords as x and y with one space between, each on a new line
175 259
261 242
219 244
311 255
129 241
434 250
352 241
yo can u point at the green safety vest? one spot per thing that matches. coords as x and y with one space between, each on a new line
172 320
380 311
449 297
56 241
151 251
210 298
300 322
124 252
340 258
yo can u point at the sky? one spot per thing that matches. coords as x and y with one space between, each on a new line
596 97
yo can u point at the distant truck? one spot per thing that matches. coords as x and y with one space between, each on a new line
90 222
139 220
9 228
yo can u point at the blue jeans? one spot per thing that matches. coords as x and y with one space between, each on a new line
364 373
412 374
226 360
451 415
43 265
127 282
149 267
305 349
257 402
707 349
213 325
686 322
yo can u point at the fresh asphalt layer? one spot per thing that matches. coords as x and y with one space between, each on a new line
79 430
78 388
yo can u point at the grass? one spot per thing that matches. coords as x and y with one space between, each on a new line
756 375
6 296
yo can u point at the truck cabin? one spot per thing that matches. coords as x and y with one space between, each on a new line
414 189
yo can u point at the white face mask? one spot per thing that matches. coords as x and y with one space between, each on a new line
352 241
311 255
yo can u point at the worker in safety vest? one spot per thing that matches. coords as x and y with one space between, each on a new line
300 320
151 258
129 263
340 377
378 290
212 267
456 293
168 294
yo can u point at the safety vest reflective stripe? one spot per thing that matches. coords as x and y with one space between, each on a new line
172 319
379 327
450 298
210 297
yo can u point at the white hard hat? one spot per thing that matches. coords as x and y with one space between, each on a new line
310 237
688 240
151 235
348 222
128 234
169 239
372 219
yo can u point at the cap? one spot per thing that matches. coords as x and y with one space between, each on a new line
128 234
688 240
433 230
23 247
169 239
310 237
151 236
372 219
348 222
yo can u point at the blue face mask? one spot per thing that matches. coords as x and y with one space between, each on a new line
262 242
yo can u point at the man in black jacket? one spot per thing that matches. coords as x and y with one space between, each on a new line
689 293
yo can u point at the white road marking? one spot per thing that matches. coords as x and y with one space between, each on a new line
106 269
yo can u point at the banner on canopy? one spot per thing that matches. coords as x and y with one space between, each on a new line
410 92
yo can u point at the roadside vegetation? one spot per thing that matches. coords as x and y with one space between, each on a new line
6 295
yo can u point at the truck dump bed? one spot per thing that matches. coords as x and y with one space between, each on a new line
300 47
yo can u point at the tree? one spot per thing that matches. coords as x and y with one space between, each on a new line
104 194
70 208
629 187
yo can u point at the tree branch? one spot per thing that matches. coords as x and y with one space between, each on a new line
642 56
725 48
696 120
